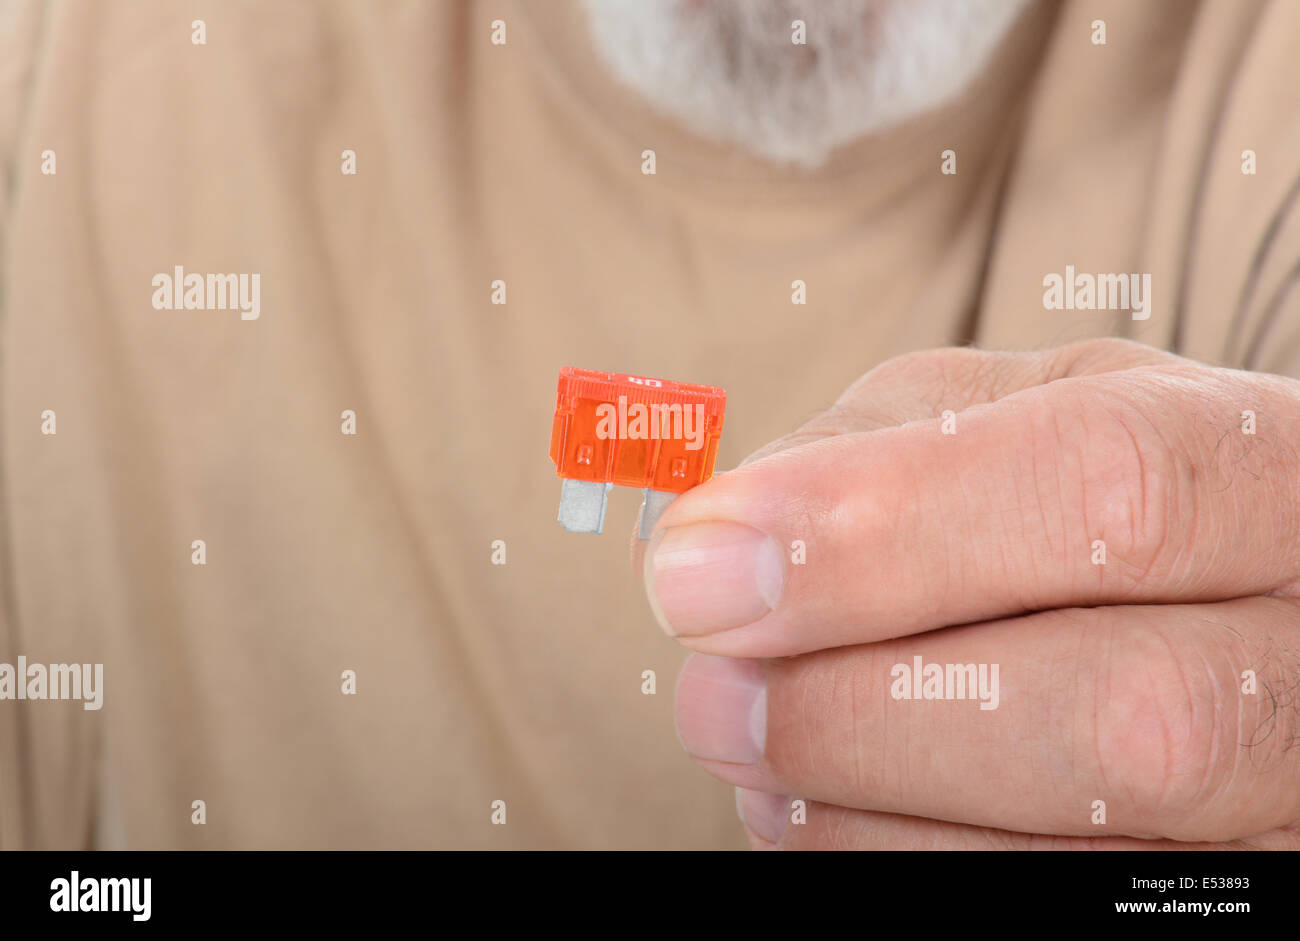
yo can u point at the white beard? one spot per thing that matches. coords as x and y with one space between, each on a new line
729 70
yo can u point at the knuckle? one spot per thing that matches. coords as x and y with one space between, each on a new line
941 378
1114 347
1163 747
821 726
1105 354
1117 479
918 366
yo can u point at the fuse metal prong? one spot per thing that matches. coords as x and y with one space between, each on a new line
582 505
653 504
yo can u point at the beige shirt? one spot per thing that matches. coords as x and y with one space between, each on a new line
326 552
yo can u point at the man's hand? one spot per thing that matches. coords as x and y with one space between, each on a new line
1115 528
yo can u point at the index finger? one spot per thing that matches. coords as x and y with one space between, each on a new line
1134 486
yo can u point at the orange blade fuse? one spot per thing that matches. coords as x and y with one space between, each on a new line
632 431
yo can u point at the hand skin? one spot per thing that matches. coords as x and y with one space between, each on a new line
1120 682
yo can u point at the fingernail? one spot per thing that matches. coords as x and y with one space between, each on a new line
709 577
722 709
765 814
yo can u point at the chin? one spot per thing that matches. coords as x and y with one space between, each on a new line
735 70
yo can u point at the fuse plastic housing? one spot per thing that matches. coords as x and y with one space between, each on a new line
635 431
